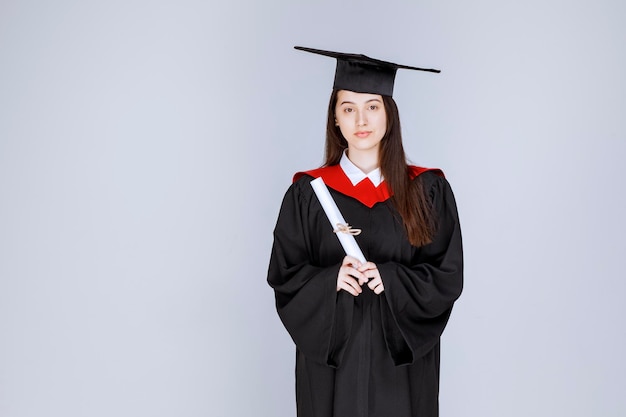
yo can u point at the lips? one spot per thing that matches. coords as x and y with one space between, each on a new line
363 134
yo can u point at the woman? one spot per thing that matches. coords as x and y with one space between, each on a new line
367 333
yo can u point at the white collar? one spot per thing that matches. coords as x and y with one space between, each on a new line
355 174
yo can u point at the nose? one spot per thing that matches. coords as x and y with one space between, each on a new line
361 120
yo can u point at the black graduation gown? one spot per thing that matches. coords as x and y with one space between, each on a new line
370 355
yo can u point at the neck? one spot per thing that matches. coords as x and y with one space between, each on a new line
367 161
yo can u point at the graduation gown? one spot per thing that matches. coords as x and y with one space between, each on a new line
369 355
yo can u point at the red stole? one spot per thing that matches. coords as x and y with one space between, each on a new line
365 191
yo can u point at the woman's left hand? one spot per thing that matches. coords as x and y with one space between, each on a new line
370 270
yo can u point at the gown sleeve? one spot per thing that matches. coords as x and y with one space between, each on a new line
317 317
418 297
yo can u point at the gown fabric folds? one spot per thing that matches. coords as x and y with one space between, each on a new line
370 355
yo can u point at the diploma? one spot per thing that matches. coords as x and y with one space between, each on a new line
340 227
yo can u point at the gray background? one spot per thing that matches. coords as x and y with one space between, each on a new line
145 147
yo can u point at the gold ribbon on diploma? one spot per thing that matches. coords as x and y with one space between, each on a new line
347 229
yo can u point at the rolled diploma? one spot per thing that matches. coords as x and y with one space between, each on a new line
334 217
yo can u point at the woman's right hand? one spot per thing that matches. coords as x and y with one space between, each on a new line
350 279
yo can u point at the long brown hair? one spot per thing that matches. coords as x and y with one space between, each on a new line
408 197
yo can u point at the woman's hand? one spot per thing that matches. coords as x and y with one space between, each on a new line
352 275
370 270
350 278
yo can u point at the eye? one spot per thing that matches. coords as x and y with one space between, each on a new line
374 107
348 110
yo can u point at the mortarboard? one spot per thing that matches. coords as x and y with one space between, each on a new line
362 74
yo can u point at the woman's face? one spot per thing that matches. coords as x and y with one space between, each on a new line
362 119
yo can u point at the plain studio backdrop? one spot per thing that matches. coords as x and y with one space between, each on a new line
145 147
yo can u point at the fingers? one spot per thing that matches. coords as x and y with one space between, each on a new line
375 282
367 266
352 267
351 286
376 285
351 260
349 278
353 274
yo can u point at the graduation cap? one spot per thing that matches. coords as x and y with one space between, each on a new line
362 74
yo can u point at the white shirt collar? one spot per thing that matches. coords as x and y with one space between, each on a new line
355 174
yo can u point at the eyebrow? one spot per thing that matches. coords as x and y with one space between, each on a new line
352 102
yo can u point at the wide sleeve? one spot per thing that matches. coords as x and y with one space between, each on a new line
418 297
317 317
